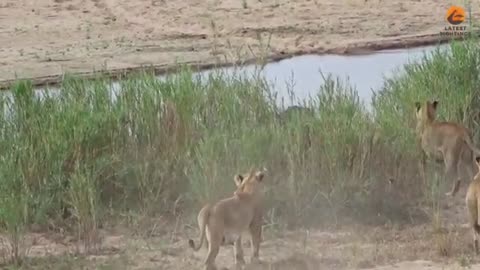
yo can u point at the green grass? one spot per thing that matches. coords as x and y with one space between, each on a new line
103 159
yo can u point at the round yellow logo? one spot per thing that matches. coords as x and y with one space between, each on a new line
455 15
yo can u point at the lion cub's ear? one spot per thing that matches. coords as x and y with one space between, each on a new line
478 160
418 105
238 179
259 175
434 104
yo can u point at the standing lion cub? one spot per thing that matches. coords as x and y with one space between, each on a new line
473 203
445 141
231 217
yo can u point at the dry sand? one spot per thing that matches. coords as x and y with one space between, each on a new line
160 244
44 38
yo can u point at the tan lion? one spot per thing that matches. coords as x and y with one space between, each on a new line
446 142
473 203
230 217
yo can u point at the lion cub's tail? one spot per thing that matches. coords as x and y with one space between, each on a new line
203 225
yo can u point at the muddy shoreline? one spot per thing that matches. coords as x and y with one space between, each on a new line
357 48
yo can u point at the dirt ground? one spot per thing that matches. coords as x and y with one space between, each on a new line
444 243
43 38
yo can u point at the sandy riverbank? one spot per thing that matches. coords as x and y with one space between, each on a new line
42 39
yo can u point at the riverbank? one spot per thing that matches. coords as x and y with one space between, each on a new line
116 38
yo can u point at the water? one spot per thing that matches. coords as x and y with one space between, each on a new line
365 72
302 76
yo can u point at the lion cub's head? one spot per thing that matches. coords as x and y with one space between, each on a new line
251 184
426 113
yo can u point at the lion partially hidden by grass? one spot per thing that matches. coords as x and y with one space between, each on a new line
230 217
445 142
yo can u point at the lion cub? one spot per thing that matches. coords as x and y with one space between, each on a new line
473 202
445 141
231 217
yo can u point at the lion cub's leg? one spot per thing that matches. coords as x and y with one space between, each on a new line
214 242
239 260
451 172
467 164
465 169
207 239
255 239
475 241
422 167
